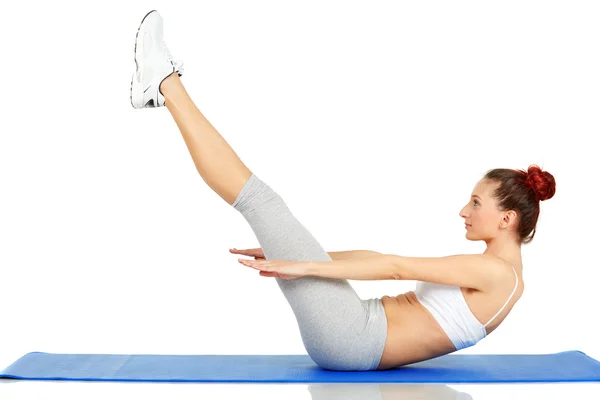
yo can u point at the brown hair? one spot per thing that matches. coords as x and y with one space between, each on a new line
522 191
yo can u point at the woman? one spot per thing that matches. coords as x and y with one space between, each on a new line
459 299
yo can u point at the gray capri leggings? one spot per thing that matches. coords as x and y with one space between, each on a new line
339 330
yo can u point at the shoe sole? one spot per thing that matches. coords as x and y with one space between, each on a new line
134 84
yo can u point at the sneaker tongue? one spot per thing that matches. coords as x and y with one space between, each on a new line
166 50
179 66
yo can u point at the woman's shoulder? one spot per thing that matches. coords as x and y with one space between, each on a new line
510 274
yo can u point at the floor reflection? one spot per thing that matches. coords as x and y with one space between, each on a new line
384 391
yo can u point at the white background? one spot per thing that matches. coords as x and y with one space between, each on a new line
373 120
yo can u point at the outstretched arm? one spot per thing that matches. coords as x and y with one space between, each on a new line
373 267
351 254
478 271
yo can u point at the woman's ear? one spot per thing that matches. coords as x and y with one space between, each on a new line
510 217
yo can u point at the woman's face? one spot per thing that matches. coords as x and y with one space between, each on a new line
481 212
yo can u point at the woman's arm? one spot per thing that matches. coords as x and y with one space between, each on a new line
352 254
375 267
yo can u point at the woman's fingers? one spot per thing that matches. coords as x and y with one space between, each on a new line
243 252
272 269
260 265
256 253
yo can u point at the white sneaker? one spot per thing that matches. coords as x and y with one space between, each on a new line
153 63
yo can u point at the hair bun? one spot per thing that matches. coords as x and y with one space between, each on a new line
542 182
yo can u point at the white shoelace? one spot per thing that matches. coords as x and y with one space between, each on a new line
179 67
178 64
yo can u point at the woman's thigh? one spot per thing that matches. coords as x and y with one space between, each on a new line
338 329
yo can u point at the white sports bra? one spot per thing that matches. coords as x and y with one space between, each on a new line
450 309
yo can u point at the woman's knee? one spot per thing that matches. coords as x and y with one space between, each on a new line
254 194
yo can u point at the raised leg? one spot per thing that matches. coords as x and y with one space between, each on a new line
215 160
339 330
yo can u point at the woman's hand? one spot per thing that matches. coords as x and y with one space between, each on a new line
257 253
283 269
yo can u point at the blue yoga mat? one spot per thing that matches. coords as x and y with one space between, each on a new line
567 366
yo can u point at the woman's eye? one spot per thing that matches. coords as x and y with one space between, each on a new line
475 201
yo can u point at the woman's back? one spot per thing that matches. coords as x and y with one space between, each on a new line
414 333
